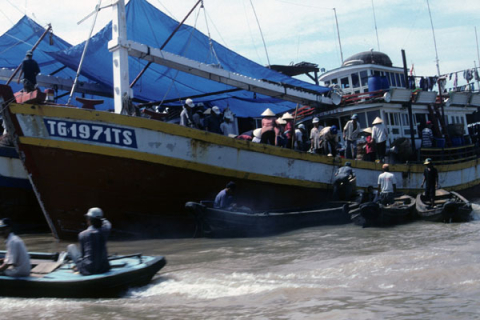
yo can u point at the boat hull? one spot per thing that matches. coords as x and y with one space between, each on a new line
64 283
17 199
449 207
238 222
141 172
376 214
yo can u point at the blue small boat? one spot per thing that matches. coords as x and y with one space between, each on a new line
52 277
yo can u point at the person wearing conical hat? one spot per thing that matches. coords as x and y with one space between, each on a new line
430 176
380 136
369 145
269 128
281 138
289 130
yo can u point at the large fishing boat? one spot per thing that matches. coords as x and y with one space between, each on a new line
143 171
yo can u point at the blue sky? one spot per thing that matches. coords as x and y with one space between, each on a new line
302 30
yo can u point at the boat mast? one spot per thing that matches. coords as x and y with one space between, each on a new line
434 41
118 47
376 30
478 56
338 34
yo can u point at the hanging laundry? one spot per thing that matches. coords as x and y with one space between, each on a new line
423 84
477 77
431 81
450 76
467 75
455 82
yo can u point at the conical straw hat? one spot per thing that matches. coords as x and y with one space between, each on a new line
287 116
377 121
268 113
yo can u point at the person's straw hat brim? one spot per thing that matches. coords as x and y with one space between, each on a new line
268 113
367 130
377 121
287 116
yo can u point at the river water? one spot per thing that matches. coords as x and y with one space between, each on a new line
415 271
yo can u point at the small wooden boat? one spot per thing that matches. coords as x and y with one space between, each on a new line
243 222
449 206
376 214
51 277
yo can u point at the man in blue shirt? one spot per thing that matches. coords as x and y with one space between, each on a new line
224 198
30 71
92 258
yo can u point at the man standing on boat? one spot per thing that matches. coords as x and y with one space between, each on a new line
17 260
328 140
350 135
30 70
224 198
380 136
427 136
186 115
213 121
342 188
430 176
269 127
387 185
92 258
314 136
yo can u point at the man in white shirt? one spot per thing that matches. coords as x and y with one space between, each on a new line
350 134
227 126
387 185
17 260
380 136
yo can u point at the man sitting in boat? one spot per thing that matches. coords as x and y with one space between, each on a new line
92 258
224 198
387 185
342 188
17 260
430 176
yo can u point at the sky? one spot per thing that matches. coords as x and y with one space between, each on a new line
292 31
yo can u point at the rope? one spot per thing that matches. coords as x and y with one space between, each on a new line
261 33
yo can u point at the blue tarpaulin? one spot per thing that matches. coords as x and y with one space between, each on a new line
22 37
147 25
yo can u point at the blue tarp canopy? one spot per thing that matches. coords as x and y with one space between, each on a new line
147 25
22 37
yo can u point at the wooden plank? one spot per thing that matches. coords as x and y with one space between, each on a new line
45 267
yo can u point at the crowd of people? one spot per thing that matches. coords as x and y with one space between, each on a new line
211 119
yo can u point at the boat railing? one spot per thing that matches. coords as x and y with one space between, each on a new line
357 98
451 155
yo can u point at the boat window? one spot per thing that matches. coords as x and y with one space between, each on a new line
405 119
392 80
355 80
326 83
462 120
397 78
395 131
364 77
361 120
344 83
393 119
402 78
371 115
376 73
334 81
407 132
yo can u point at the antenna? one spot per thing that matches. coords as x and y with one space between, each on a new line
338 34
434 41
376 30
